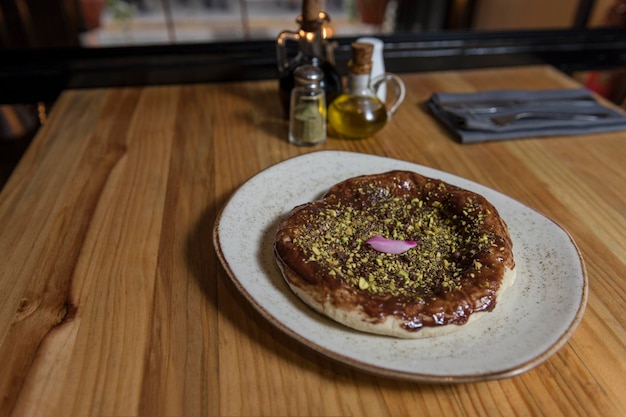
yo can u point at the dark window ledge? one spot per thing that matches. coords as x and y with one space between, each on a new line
28 76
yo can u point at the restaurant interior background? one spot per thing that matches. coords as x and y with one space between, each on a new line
153 21
106 23
52 25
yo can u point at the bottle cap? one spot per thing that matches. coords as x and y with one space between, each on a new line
361 62
311 10
308 75
312 16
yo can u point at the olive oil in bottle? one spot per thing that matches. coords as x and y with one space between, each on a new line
358 112
356 117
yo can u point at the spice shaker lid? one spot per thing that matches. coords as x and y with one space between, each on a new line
308 75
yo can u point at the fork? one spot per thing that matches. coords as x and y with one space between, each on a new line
510 118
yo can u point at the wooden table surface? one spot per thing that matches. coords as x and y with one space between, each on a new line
114 302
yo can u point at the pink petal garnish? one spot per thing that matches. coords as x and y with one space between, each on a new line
381 244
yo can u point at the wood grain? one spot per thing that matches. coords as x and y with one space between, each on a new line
114 302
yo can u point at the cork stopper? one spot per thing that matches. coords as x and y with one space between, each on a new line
361 62
311 10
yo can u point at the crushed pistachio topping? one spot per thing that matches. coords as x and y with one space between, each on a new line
335 237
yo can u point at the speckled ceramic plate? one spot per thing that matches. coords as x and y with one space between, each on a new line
532 321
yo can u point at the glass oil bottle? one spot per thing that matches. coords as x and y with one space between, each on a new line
358 113
313 49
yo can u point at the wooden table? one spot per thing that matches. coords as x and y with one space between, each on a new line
114 302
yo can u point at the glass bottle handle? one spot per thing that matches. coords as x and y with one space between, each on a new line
398 89
281 49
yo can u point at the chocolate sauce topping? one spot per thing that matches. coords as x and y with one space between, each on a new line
456 268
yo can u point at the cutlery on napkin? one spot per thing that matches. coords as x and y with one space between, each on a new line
511 114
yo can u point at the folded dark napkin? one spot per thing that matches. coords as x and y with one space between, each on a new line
511 114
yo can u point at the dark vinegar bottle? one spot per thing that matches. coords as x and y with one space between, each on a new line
313 49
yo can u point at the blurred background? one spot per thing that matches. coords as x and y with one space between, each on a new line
104 23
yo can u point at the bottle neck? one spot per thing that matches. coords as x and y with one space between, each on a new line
359 84
312 42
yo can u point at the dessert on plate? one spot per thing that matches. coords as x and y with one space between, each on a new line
397 254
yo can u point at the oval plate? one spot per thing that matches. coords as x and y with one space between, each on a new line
534 318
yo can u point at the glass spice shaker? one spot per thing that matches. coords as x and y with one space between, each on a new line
307 116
